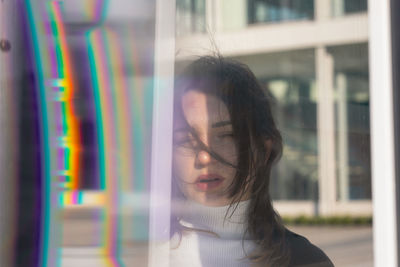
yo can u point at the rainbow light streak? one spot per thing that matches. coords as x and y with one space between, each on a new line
141 97
120 118
122 108
142 105
60 132
139 128
107 90
67 126
95 10
36 30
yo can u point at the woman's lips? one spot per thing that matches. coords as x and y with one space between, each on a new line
207 182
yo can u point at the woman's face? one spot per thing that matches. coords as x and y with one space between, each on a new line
201 177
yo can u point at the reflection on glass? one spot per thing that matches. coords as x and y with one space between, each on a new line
290 79
85 127
260 11
352 121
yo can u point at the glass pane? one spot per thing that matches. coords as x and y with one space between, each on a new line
78 96
352 121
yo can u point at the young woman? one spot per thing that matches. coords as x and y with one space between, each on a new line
225 144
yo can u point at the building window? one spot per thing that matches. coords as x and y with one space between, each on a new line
190 17
261 11
353 155
289 78
344 7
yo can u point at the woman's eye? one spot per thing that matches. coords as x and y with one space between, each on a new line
181 141
184 142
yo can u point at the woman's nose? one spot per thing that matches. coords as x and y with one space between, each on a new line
203 157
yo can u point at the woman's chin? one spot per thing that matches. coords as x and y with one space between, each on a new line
210 201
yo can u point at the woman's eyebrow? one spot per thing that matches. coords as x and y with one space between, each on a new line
220 124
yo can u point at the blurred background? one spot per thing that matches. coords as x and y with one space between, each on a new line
78 79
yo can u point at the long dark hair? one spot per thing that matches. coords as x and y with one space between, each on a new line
258 141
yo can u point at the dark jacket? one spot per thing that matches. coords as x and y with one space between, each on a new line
305 254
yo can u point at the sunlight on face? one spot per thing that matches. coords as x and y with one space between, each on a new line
201 177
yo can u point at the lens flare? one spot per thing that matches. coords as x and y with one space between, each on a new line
121 104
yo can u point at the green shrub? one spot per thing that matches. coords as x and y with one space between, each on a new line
328 220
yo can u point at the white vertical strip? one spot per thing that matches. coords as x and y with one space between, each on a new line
9 131
343 144
210 16
382 134
161 159
322 10
326 131
337 8
218 15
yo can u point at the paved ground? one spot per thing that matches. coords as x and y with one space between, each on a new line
345 246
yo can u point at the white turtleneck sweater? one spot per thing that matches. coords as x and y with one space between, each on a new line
224 248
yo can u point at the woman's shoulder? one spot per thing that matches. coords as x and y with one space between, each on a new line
304 253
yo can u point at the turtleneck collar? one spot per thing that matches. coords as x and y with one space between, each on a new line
225 221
